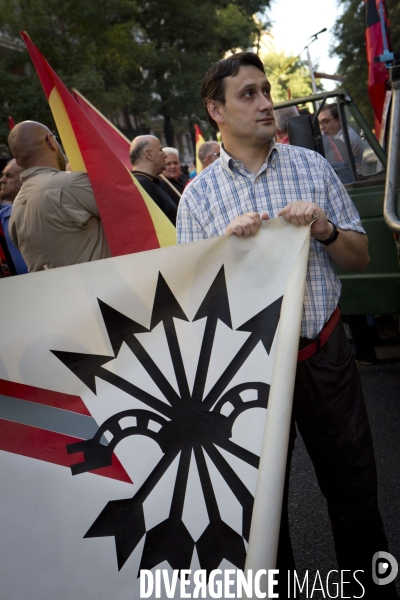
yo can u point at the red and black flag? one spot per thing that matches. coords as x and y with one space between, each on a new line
375 46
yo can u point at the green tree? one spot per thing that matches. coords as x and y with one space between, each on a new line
128 57
349 31
295 78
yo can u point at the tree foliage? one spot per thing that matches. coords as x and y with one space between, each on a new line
128 57
295 78
349 31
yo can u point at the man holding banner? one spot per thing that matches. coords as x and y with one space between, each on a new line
256 180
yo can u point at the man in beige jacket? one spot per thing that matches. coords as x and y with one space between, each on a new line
55 221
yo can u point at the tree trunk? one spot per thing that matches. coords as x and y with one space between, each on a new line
168 131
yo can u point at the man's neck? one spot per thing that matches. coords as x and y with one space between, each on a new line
145 168
252 157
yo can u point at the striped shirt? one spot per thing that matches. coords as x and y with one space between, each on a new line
227 189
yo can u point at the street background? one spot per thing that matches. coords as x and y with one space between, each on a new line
309 521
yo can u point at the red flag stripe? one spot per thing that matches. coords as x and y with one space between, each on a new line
50 446
42 396
377 72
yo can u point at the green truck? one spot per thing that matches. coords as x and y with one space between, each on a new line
373 187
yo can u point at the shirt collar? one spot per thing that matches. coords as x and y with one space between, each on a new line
147 175
229 164
28 173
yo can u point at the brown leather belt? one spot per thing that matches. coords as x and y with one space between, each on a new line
322 338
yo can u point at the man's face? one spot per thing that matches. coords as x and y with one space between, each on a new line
172 166
328 124
10 183
158 156
248 110
213 155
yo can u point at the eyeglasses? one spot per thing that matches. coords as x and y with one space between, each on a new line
325 122
214 154
55 137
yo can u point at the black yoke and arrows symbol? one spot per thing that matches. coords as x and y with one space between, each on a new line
188 425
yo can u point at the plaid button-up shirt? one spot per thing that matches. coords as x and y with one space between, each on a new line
227 189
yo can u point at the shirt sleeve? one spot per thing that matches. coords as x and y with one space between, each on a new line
78 201
188 228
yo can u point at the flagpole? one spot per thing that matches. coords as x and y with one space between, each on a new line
170 185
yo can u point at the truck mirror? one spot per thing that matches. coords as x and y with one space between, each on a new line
305 133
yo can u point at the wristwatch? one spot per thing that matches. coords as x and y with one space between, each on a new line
332 237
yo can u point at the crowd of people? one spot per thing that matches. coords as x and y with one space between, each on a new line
248 178
48 215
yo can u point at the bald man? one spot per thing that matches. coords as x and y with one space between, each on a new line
208 153
148 162
55 221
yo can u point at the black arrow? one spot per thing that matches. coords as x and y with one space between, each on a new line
262 327
237 486
124 519
245 455
170 540
88 366
123 329
218 541
214 307
119 327
165 309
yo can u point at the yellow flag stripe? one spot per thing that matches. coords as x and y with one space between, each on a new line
66 132
165 231
200 141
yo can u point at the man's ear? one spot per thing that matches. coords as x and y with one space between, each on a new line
149 154
50 141
215 111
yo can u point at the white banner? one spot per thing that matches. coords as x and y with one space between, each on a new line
133 402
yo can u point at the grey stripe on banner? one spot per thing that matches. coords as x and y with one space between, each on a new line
48 417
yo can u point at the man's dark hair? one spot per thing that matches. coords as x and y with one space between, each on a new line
213 87
333 108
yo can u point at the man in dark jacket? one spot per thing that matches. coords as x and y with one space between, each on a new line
148 162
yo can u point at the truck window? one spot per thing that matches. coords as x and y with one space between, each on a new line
366 161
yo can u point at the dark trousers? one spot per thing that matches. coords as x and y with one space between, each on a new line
330 413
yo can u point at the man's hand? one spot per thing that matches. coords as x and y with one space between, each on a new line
302 213
247 224
349 251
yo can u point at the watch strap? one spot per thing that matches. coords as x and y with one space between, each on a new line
332 238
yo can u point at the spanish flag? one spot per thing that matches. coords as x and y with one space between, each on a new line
113 136
132 221
199 141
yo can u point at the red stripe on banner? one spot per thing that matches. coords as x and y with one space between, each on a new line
50 446
126 220
41 396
